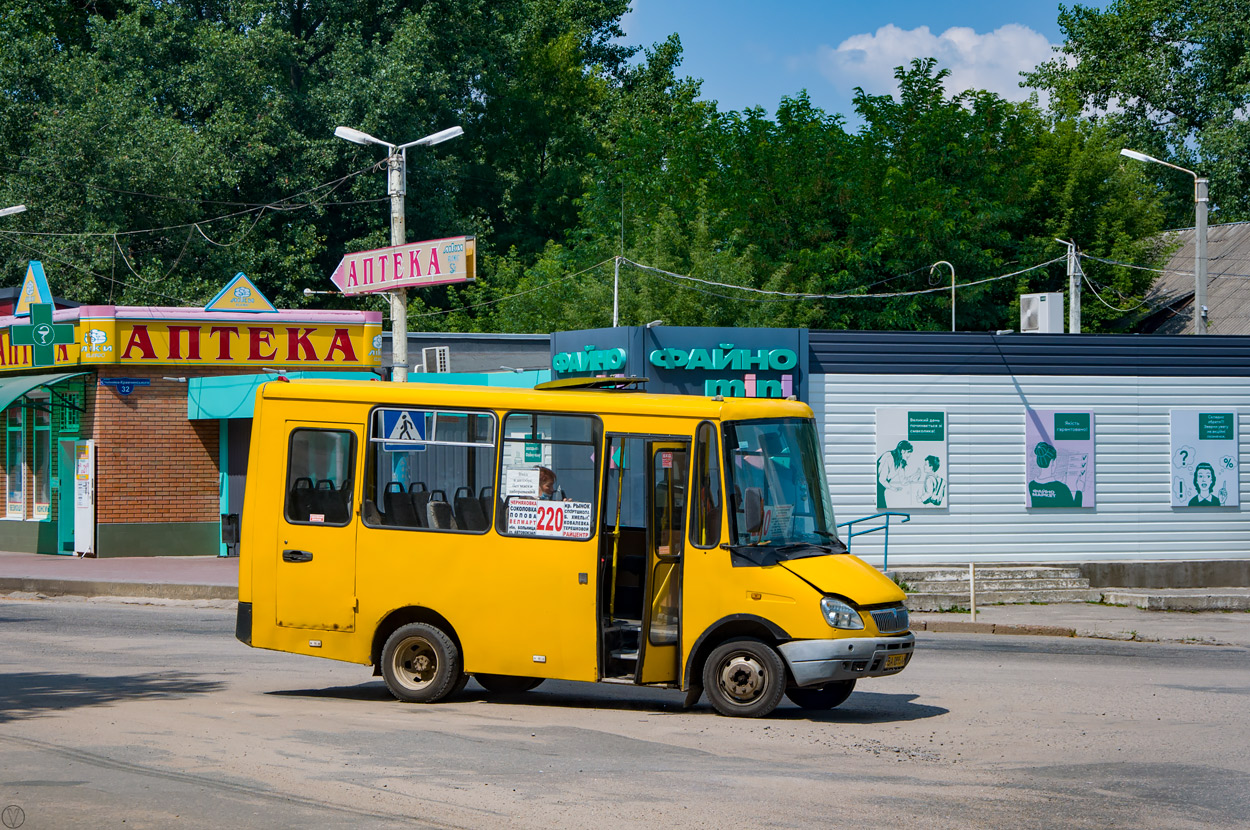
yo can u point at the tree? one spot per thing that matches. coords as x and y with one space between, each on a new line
163 146
1172 77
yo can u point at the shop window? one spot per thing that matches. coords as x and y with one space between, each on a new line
548 478
705 509
41 460
15 461
319 477
430 470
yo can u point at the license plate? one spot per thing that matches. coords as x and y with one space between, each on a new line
895 661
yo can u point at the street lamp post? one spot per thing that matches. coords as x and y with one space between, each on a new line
1200 237
396 187
952 267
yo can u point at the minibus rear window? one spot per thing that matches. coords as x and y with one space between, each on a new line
319 476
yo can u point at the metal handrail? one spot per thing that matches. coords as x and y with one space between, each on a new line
851 533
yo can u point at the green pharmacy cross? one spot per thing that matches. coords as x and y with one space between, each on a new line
42 335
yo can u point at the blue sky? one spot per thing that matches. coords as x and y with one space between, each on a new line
753 53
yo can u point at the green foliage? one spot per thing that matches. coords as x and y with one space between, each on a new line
164 146
1172 79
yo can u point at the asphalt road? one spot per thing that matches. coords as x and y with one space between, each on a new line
141 716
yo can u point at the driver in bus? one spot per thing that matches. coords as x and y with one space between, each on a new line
546 484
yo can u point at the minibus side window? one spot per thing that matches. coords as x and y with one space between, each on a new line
319 477
548 476
429 469
705 510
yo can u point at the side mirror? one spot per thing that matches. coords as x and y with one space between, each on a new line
753 510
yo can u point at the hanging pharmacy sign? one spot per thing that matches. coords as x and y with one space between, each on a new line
419 264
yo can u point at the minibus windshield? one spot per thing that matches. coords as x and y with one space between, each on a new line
781 505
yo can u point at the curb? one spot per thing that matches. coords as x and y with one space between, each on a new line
958 627
94 588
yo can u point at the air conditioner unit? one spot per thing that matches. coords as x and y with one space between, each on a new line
437 358
1041 313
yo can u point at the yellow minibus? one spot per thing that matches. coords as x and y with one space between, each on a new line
581 530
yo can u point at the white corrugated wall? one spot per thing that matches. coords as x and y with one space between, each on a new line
987 520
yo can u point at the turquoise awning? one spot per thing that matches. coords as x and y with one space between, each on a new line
13 388
516 380
233 396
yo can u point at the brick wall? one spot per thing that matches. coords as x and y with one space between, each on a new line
152 464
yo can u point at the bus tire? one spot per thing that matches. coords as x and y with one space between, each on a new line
744 678
505 684
822 697
458 686
421 664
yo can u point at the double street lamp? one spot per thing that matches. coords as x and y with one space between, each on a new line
397 176
1200 237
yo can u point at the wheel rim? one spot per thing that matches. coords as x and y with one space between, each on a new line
416 662
742 678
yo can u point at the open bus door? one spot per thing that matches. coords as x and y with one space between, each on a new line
641 549
660 645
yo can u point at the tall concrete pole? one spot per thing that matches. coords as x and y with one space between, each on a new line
1200 255
396 187
1074 291
616 294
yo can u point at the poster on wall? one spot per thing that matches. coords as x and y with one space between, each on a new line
1059 458
911 459
1204 458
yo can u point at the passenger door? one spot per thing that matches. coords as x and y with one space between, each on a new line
660 643
316 542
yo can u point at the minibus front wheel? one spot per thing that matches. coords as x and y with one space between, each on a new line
744 678
421 664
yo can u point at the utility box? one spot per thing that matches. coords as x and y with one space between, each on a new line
436 358
1041 313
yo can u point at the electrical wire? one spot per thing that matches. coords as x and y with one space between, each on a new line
513 296
1098 297
43 255
276 205
805 296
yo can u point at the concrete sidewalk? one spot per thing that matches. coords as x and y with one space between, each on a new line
217 578
155 577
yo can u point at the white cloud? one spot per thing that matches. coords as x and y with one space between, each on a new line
991 61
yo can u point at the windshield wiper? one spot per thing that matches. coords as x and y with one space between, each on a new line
837 544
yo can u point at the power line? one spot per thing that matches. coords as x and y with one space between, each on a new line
806 296
277 205
513 296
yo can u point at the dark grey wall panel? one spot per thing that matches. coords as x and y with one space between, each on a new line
971 353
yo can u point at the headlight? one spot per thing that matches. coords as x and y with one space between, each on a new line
840 615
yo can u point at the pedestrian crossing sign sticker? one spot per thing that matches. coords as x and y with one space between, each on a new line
403 430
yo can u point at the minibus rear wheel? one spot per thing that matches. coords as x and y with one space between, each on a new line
421 664
822 697
505 684
744 678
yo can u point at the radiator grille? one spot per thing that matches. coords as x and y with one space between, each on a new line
890 620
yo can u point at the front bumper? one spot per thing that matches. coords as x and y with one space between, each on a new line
816 662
